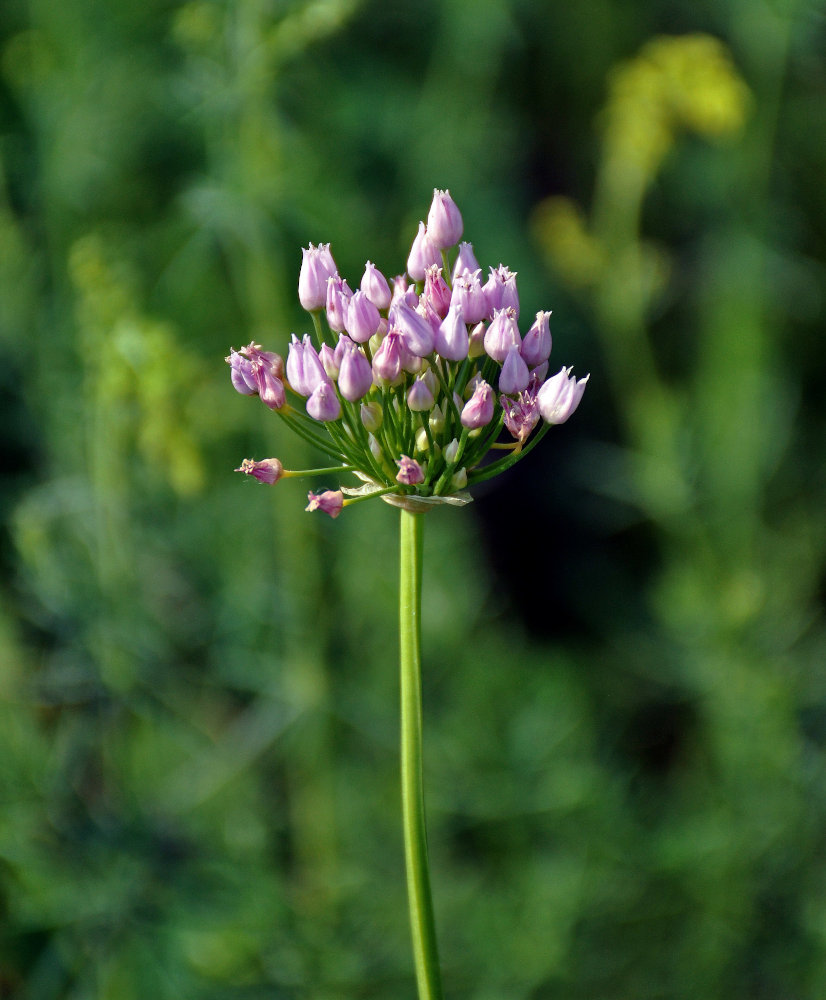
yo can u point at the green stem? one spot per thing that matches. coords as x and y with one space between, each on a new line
422 925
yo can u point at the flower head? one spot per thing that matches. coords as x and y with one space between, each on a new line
437 368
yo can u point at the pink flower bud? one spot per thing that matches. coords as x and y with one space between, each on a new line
502 334
436 291
478 411
467 291
268 470
423 253
403 291
536 345
514 376
500 290
387 361
375 287
329 360
465 261
410 472
560 396
419 396
444 222
317 266
330 502
338 299
416 332
476 347
452 341
363 317
355 377
323 403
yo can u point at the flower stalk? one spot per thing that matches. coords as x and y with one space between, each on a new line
422 924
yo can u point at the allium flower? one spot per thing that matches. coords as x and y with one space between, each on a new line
268 470
337 302
452 339
560 396
465 261
444 222
514 376
323 403
410 472
259 373
536 344
478 411
363 317
375 287
437 368
502 335
355 377
423 254
317 266
330 501
520 415
436 291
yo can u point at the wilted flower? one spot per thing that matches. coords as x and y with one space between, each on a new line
268 470
410 472
330 501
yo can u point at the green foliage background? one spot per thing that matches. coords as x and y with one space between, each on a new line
624 642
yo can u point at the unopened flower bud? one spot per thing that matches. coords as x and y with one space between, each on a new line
268 470
419 396
465 261
329 361
416 332
375 286
355 377
467 291
476 347
422 440
437 420
452 451
478 411
371 416
330 502
452 341
423 254
436 291
387 360
560 396
502 334
536 344
500 290
362 317
514 376
444 222
323 403
410 472
459 479
317 266
338 300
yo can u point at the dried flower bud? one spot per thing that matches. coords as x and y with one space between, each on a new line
268 470
330 501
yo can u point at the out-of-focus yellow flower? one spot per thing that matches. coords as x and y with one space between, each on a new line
687 82
560 228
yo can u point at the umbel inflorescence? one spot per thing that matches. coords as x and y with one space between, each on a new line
410 384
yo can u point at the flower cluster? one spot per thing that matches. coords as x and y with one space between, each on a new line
415 380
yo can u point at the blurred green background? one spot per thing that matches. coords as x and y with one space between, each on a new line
624 642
